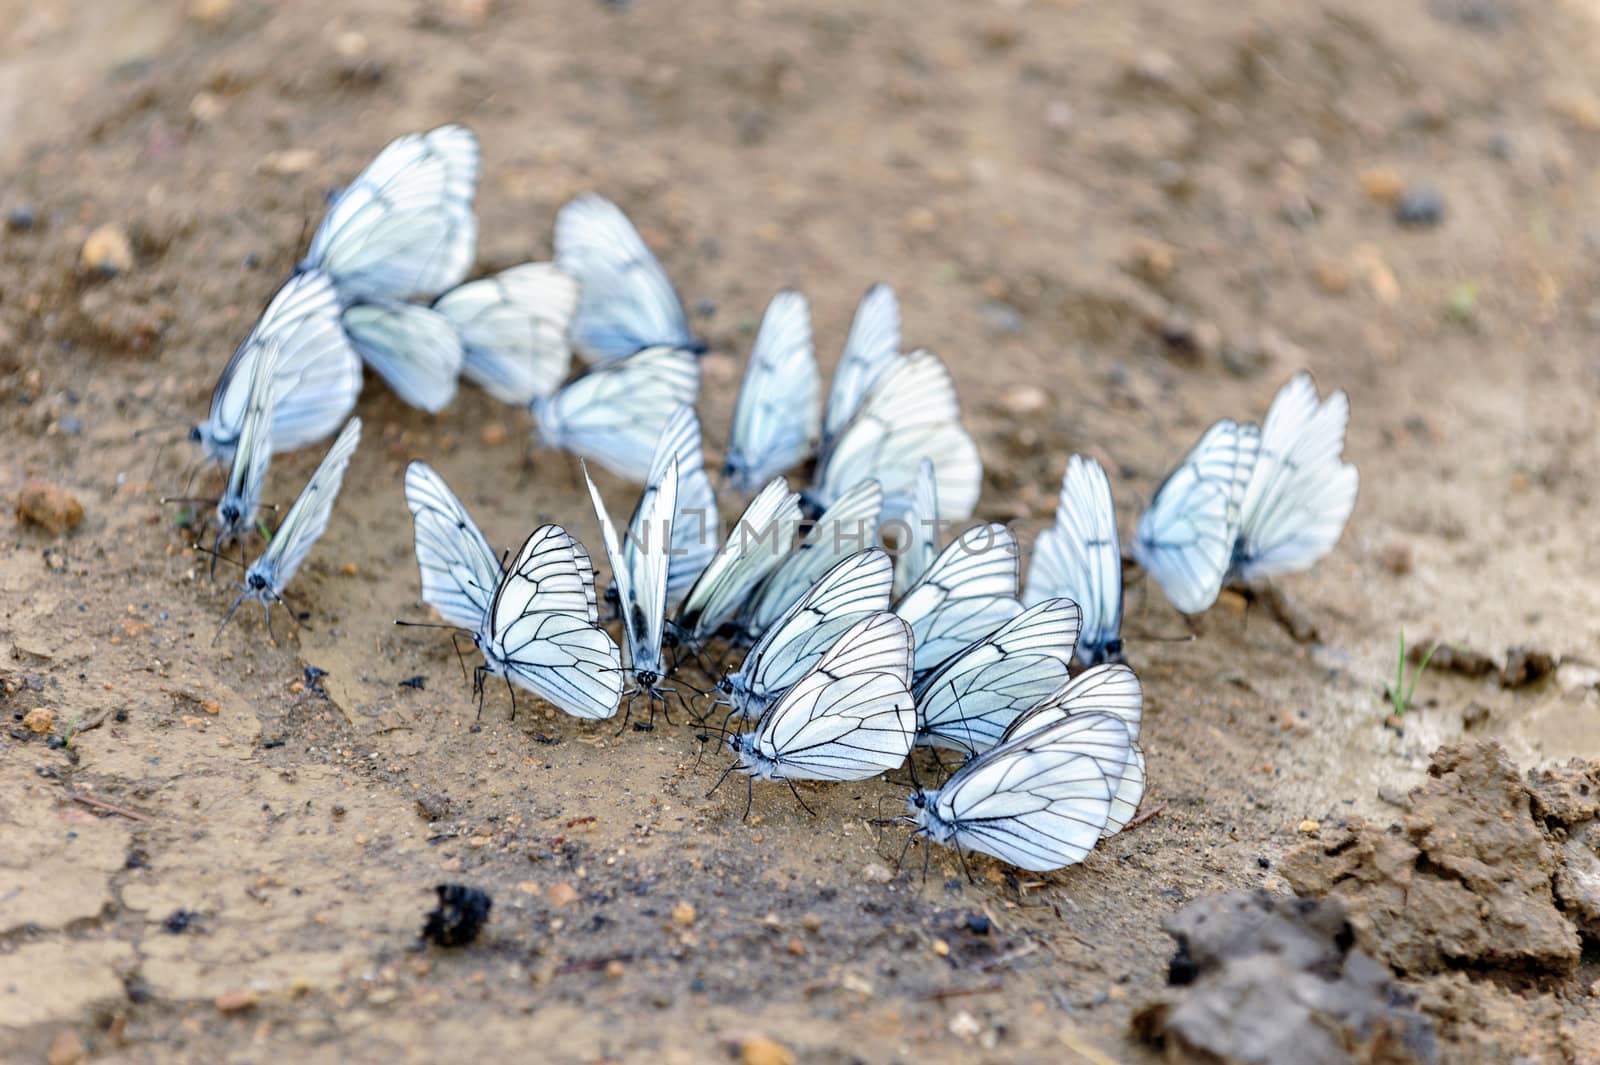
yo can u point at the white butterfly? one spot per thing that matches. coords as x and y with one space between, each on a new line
241 494
1039 801
969 591
1080 557
513 330
301 527
695 522
315 384
850 718
405 226
1104 689
615 413
849 526
777 415
910 415
1185 537
414 348
852 589
918 529
625 301
641 579
758 542
460 571
969 701
1301 492
1073 718
873 344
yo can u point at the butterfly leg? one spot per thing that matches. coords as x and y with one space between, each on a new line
965 868
627 713
513 693
749 796
720 779
796 793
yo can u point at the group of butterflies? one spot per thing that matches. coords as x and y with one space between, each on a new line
853 657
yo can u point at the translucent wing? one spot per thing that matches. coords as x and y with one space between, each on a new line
460 571
315 384
539 631
642 577
1080 558
1106 738
849 526
851 717
969 591
758 542
1105 689
1301 492
910 415
625 301
872 345
414 348
695 521
969 701
513 330
615 413
1185 537
918 523
241 494
777 415
307 517
848 592
405 226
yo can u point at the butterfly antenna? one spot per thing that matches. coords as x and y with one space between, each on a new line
229 616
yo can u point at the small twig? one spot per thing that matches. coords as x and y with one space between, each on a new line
590 964
1154 811
961 992
96 721
108 807
1006 959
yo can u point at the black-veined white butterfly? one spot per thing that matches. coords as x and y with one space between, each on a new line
851 590
241 493
911 414
405 227
414 348
1185 537
969 701
778 414
535 624
850 718
760 540
625 301
1080 557
1093 714
968 592
614 414
1039 801
1301 492
873 343
302 526
315 384
849 526
917 529
641 579
513 329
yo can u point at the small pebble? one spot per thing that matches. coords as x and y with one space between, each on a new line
1382 185
978 924
349 569
289 161
1308 827
941 948
876 873
107 251
614 969
1419 207
1000 318
1024 400
461 913
493 435
66 1049
796 947
209 12
1396 558
235 1001
759 1050
684 913
21 218
811 922
1476 715
39 721
562 894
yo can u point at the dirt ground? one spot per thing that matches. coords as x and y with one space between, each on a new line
1116 222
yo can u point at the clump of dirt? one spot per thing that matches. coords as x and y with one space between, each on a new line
1268 979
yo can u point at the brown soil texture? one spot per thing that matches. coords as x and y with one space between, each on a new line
1116 222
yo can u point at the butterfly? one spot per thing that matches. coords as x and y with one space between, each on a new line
536 624
756 545
969 591
850 717
845 528
852 589
241 493
405 227
1080 557
614 414
1090 715
1184 538
776 418
967 702
301 528
911 414
917 528
872 344
316 380
1301 492
1039 800
625 300
513 329
414 348
641 579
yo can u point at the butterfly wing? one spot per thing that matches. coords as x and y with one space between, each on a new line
460 571
307 517
513 329
1105 689
918 525
626 303
614 414
845 528
873 344
694 521
1080 558
1106 738
970 590
414 348
241 494
758 542
776 417
405 226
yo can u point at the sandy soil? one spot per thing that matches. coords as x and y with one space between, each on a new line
1117 222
